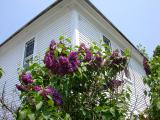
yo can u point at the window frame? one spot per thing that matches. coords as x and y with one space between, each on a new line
110 45
27 59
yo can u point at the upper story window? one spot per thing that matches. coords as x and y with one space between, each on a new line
107 41
28 55
122 52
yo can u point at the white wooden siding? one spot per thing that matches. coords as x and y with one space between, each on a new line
87 32
61 26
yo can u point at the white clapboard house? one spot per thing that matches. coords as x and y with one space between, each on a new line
79 20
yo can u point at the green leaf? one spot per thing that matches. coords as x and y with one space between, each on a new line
68 40
50 102
61 38
67 117
127 52
39 105
22 114
112 110
158 105
49 97
128 96
31 116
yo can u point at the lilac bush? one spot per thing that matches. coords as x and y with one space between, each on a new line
72 84
1 72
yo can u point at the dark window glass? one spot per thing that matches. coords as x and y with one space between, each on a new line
29 49
107 41
122 53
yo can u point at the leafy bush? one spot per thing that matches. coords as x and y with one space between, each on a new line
142 49
1 72
77 83
153 81
157 51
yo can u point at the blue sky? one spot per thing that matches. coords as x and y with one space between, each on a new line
138 20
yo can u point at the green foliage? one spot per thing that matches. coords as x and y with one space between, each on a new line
1 72
157 51
90 92
142 49
153 81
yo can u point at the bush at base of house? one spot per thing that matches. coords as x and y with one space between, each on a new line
153 81
1 72
77 83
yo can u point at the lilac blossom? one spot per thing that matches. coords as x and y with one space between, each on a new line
74 62
52 45
88 55
54 94
73 56
26 78
98 59
82 47
55 66
114 84
146 66
37 88
115 53
64 65
86 52
48 60
21 87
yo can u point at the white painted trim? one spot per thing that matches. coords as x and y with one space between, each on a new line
75 21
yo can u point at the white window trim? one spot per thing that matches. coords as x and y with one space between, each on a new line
24 50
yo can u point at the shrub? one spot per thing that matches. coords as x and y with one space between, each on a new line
157 51
1 72
153 81
74 83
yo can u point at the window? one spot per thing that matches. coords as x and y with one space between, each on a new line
122 52
29 49
107 42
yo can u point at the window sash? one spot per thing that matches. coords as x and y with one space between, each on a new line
106 41
29 50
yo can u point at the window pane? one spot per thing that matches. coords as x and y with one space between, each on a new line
106 41
29 49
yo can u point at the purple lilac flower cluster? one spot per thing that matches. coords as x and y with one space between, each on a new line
57 98
146 66
117 61
114 84
61 64
86 52
94 61
65 64
26 79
